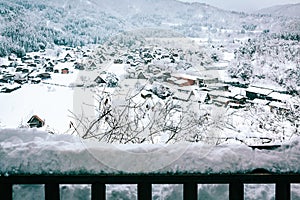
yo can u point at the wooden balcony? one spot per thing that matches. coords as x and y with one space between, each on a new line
144 183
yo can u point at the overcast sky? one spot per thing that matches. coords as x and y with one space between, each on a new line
244 5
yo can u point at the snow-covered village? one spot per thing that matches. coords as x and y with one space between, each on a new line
94 88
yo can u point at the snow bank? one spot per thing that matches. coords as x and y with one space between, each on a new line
29 151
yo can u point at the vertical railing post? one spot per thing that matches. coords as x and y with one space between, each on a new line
144 191
6 191
236 191
98 191
283 190
52 191
190 191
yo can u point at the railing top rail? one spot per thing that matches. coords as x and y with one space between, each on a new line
153 179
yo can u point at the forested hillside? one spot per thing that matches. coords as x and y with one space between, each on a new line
31 25
270 58
27 26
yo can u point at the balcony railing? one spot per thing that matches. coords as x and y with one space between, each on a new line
144 183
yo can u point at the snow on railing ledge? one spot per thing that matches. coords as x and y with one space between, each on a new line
34 157
34 152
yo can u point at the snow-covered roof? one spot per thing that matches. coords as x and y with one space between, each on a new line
199 95
260 101
180 81
222 100
239 97
278 105
182 95
186 76
220 93
146 93
269 85
279 96
12 86
258 90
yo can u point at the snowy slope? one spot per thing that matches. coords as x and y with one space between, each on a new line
289 10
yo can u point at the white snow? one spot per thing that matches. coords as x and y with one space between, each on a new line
263 91
34 152
228 56
29 151
118 69
51 103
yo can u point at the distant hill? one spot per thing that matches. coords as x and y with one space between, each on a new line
288 10
28 25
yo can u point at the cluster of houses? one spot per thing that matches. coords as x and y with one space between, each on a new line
168 68
224 97
36 67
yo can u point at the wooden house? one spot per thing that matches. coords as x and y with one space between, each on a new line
218 93
218 86
99 80
35 122
141 75
261 102
51 64
200 96
12 57
67 57
36 80
146 94
25 70
182 82
203 81
79 66
118 61
182 95
185 79
32 65
239 99
65 71
26 59
44 76
221 101
235 105
19 69
254 92
93 65
8 88
49 69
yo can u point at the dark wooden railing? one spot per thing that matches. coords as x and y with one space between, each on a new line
144 183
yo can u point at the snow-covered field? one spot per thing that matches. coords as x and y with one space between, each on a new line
50 102
36 152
